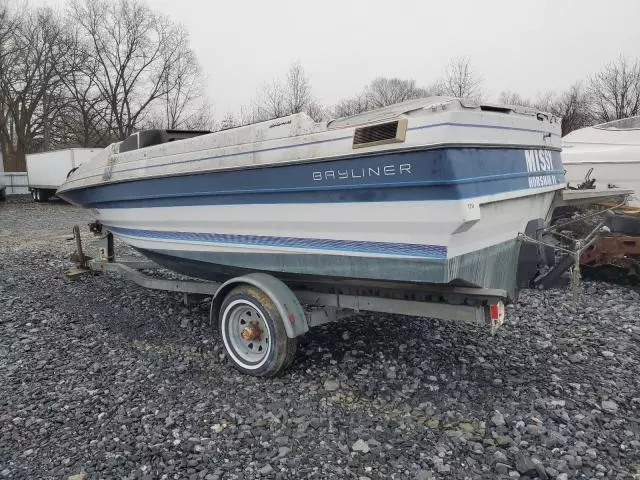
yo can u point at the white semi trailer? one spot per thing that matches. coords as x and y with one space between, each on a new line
48 170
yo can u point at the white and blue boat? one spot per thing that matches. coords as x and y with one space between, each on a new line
433 190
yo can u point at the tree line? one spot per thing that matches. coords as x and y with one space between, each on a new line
100 70
293 94
92 74
610 94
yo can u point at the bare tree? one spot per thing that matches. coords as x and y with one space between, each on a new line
7 25
573 106
509 97
228 121
271 102
460 80
575 109
30 83
86 115
387 91
382 92
317 112
200 116
615 91
182 97
298 91
280 98
137 51
92 79
250 114
352 106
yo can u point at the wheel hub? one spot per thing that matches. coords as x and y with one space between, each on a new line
251 332
248 333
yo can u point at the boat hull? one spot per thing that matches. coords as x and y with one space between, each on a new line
493 267
610 151
446 205
471 242
624 175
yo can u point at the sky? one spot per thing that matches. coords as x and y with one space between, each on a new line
528 46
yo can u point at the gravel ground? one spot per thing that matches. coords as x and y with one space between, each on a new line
102 379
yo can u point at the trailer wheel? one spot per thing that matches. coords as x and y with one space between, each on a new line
253 333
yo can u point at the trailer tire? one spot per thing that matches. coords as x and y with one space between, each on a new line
3 195
253 333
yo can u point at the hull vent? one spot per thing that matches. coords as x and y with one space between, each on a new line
390 132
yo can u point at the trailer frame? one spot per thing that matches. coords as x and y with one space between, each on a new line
304 305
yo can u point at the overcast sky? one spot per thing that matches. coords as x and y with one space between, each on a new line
529 46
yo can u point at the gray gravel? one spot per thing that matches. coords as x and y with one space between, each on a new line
102 379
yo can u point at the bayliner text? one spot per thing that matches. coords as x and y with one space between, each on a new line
378 171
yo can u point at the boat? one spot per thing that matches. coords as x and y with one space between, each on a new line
608 153
428 191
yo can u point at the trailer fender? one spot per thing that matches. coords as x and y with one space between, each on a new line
287 304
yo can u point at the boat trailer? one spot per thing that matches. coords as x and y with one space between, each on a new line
259 316
611 250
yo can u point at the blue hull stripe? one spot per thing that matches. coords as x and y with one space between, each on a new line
441 174
434 252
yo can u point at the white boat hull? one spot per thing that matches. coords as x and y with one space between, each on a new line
444 204
432 242
453 226
610 151
624 175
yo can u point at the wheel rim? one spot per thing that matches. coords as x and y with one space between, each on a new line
247 336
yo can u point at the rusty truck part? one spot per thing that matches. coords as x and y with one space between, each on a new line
613 259
612 250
